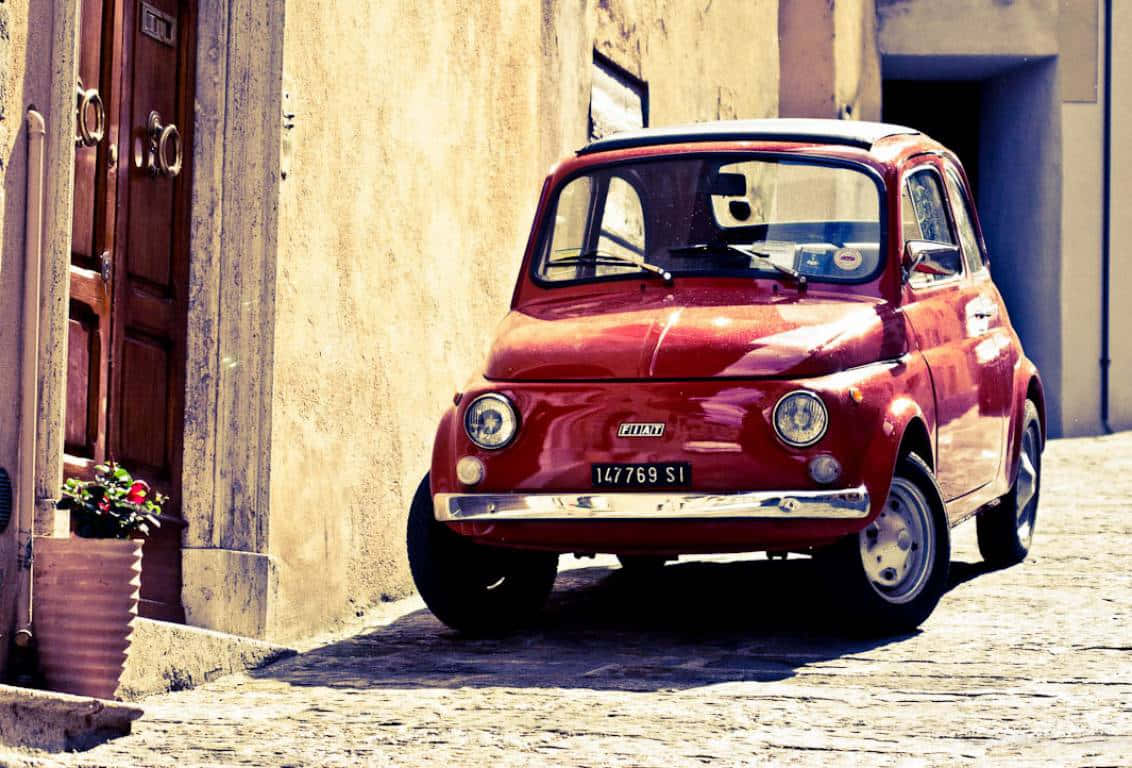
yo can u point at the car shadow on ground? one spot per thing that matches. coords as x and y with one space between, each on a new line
689 625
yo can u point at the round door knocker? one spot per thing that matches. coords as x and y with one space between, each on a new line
162 140
89 101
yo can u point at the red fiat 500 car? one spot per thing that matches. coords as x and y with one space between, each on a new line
772 335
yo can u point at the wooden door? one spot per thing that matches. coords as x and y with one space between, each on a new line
147 50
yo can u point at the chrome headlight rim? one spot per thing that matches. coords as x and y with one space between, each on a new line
800 393
505 402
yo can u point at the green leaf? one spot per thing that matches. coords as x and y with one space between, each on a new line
123 475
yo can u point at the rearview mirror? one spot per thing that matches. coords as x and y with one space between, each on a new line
932 258
728 185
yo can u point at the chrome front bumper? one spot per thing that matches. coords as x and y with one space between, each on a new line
847 504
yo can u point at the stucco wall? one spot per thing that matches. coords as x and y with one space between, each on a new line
422 135
968 27
37 47
1082 125
1120 236
830 65
13 173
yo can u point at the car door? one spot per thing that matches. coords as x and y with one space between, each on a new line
948 314
994 352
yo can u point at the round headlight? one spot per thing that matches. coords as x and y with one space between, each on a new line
491 421
800 418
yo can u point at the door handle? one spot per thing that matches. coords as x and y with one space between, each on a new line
88 101
162 138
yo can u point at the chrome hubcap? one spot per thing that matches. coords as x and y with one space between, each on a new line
1026 487
898 548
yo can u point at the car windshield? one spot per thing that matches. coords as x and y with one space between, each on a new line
718 214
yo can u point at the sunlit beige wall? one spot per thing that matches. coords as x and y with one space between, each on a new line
423 131
1082 125
830 66
1120 280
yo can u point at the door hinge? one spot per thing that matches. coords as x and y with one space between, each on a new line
106 266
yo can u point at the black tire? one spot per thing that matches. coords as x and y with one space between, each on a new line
470 587
1006 531
641 565
893 596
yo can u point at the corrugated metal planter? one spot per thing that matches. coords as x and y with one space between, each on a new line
86 598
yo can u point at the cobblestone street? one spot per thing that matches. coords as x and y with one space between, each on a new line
716 663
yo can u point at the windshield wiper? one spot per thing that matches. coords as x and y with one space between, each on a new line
741 250
606 259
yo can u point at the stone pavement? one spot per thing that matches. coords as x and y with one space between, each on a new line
716 663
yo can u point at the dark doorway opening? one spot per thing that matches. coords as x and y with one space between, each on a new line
948 111
1002 116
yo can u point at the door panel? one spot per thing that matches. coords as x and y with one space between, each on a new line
948 314
88 335
129 279
150 292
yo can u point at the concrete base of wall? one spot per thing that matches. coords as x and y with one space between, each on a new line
228 591
60 721
171 657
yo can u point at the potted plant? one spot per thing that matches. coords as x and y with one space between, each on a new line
87 586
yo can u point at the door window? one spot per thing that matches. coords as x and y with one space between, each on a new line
924 217
972 253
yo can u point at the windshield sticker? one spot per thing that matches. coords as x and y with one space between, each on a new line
847 259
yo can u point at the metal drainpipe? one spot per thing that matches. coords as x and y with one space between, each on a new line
1106 216
29 373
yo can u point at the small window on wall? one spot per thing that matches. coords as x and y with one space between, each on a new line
618 100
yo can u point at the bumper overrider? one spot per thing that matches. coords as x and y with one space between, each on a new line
843 504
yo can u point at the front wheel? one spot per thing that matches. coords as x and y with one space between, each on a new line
890 576
470 587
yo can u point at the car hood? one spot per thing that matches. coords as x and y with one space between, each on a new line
662 337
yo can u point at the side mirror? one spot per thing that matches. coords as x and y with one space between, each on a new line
929 257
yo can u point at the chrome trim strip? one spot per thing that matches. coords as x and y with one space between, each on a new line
845 504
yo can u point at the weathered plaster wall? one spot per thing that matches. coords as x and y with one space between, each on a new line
13 174
422 133
37 56
968 27
228 577
857 60
1082 125
1120 235
830 66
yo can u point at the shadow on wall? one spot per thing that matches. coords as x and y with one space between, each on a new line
693 624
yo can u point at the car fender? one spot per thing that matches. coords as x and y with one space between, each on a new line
442 474
912 401
1025 372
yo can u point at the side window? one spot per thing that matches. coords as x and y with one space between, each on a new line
569 228
924 215
961 205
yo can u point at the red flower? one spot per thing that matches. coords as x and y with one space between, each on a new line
138 492
104 504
